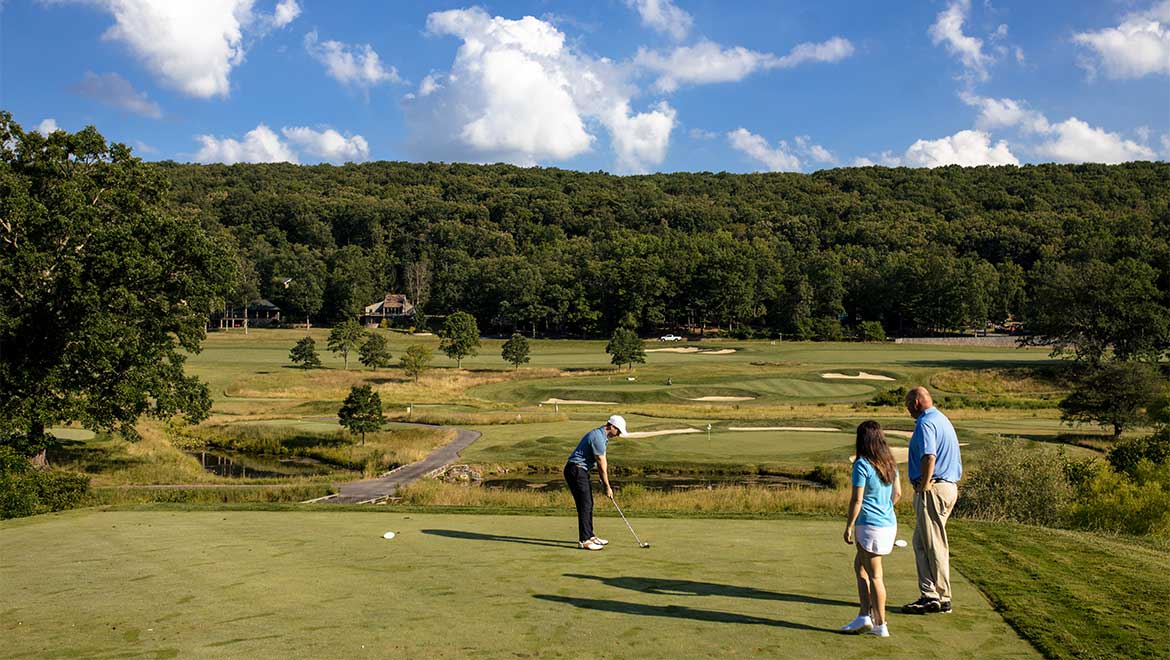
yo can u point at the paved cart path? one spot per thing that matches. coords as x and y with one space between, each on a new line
372 490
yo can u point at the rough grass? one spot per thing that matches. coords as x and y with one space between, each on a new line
1002 382
213 494
1072 594
113 461
721 500
383 450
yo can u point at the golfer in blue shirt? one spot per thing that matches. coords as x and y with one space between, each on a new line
935 469
590 452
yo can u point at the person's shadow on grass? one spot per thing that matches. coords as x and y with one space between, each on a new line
675 612
689 588
475 536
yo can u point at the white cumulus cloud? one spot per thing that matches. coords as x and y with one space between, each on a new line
285 13
1139 46
516 92
663 16
967 148
113 89
1069 141
999 113
948 29
708 62
777 159
47 126
1075 141
328 144
358 66
190 46
260 145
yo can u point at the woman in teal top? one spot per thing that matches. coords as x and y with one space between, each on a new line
871 524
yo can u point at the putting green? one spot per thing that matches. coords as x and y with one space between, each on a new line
611 388
326 584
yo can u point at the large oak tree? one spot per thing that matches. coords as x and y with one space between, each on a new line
103 292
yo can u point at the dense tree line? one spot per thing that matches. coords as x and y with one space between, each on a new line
550 251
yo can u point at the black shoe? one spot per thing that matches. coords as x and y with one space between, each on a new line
919 606
945 607
933 606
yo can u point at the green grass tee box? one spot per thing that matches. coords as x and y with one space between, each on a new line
327 585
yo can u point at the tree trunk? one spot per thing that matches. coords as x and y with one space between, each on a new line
37 437
1117 431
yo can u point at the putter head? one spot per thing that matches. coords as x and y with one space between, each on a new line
645 545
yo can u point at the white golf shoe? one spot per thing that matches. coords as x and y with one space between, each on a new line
590 545
857 626
599 541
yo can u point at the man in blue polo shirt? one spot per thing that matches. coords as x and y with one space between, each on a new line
590 452
935 468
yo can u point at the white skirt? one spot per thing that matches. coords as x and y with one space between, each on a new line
875 540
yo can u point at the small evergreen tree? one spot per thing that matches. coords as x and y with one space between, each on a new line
346 337
361 412
626 348
460 337
515 350
305 354
415 360
374 353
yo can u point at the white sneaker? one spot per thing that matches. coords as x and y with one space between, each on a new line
599 541
880 631
857 626
590 545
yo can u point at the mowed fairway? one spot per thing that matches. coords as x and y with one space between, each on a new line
326 584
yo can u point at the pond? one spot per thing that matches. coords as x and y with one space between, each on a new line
662 482
259 466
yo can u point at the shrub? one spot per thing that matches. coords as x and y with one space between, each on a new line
1127 455
1111 501
25 491
1019 483
827 328
833 476
894 397
871 331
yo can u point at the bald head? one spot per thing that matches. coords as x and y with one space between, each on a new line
918 399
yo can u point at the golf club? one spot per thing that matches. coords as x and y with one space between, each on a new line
631 527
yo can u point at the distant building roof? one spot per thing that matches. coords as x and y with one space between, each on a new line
392 303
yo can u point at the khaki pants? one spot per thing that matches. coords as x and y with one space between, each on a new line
931 551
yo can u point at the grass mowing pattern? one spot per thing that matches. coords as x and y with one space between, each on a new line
1073 594
292 584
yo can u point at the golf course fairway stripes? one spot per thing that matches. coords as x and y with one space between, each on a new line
326 584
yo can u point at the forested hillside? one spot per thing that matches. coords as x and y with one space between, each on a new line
568 253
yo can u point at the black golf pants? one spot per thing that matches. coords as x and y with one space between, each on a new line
577 477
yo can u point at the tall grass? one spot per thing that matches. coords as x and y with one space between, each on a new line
727 499
210 495
383 450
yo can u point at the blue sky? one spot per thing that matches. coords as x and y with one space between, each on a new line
617 85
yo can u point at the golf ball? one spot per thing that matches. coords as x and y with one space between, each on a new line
901 543
388 535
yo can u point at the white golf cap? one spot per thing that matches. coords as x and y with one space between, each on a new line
618 422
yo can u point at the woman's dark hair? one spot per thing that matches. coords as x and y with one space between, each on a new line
871 445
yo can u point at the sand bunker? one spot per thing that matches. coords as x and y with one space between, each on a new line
723 398
860 376
581 402
900 434
901 454
691 349
651 434
783 428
